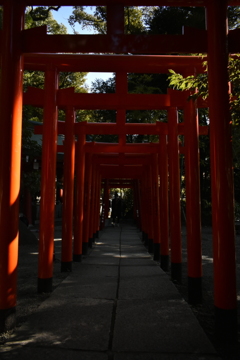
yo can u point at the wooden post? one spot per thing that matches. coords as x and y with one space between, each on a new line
10 159
79 198
164 208
156 210
68 190
225 298
193 210
174 186
47 205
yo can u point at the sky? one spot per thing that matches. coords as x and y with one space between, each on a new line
62 16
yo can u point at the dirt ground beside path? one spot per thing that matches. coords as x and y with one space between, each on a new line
205 312
29 300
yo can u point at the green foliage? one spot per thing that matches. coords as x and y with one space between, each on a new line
34 79
234 77
41 13
199 85
146 116
32 181
43 16
97 19
29 147
134 20
76 80
199 82
170 20
128 202
147 83
234 17
104 86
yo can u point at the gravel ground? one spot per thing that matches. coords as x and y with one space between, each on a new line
29 299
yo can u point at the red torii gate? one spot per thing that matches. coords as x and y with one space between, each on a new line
15 41
172 99
67 98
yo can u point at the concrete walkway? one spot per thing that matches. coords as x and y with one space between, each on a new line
115 305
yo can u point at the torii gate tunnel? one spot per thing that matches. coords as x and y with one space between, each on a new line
152 169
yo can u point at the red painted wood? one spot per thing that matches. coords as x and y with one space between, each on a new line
49 151
68 186
121 101
192 178
87 197
164 195
135 44
156 203
221 159
10 149
79 196
115 63
174 188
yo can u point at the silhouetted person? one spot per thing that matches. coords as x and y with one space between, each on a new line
116 209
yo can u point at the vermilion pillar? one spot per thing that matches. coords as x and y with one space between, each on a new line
164 209
68 190
141 203
105 204
150 208
10 149
137 202
140 211
193 213
79 198
106 198
47 205
97 227
87 199
92 208
174 195
225 299
156 211
97 202
145 207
